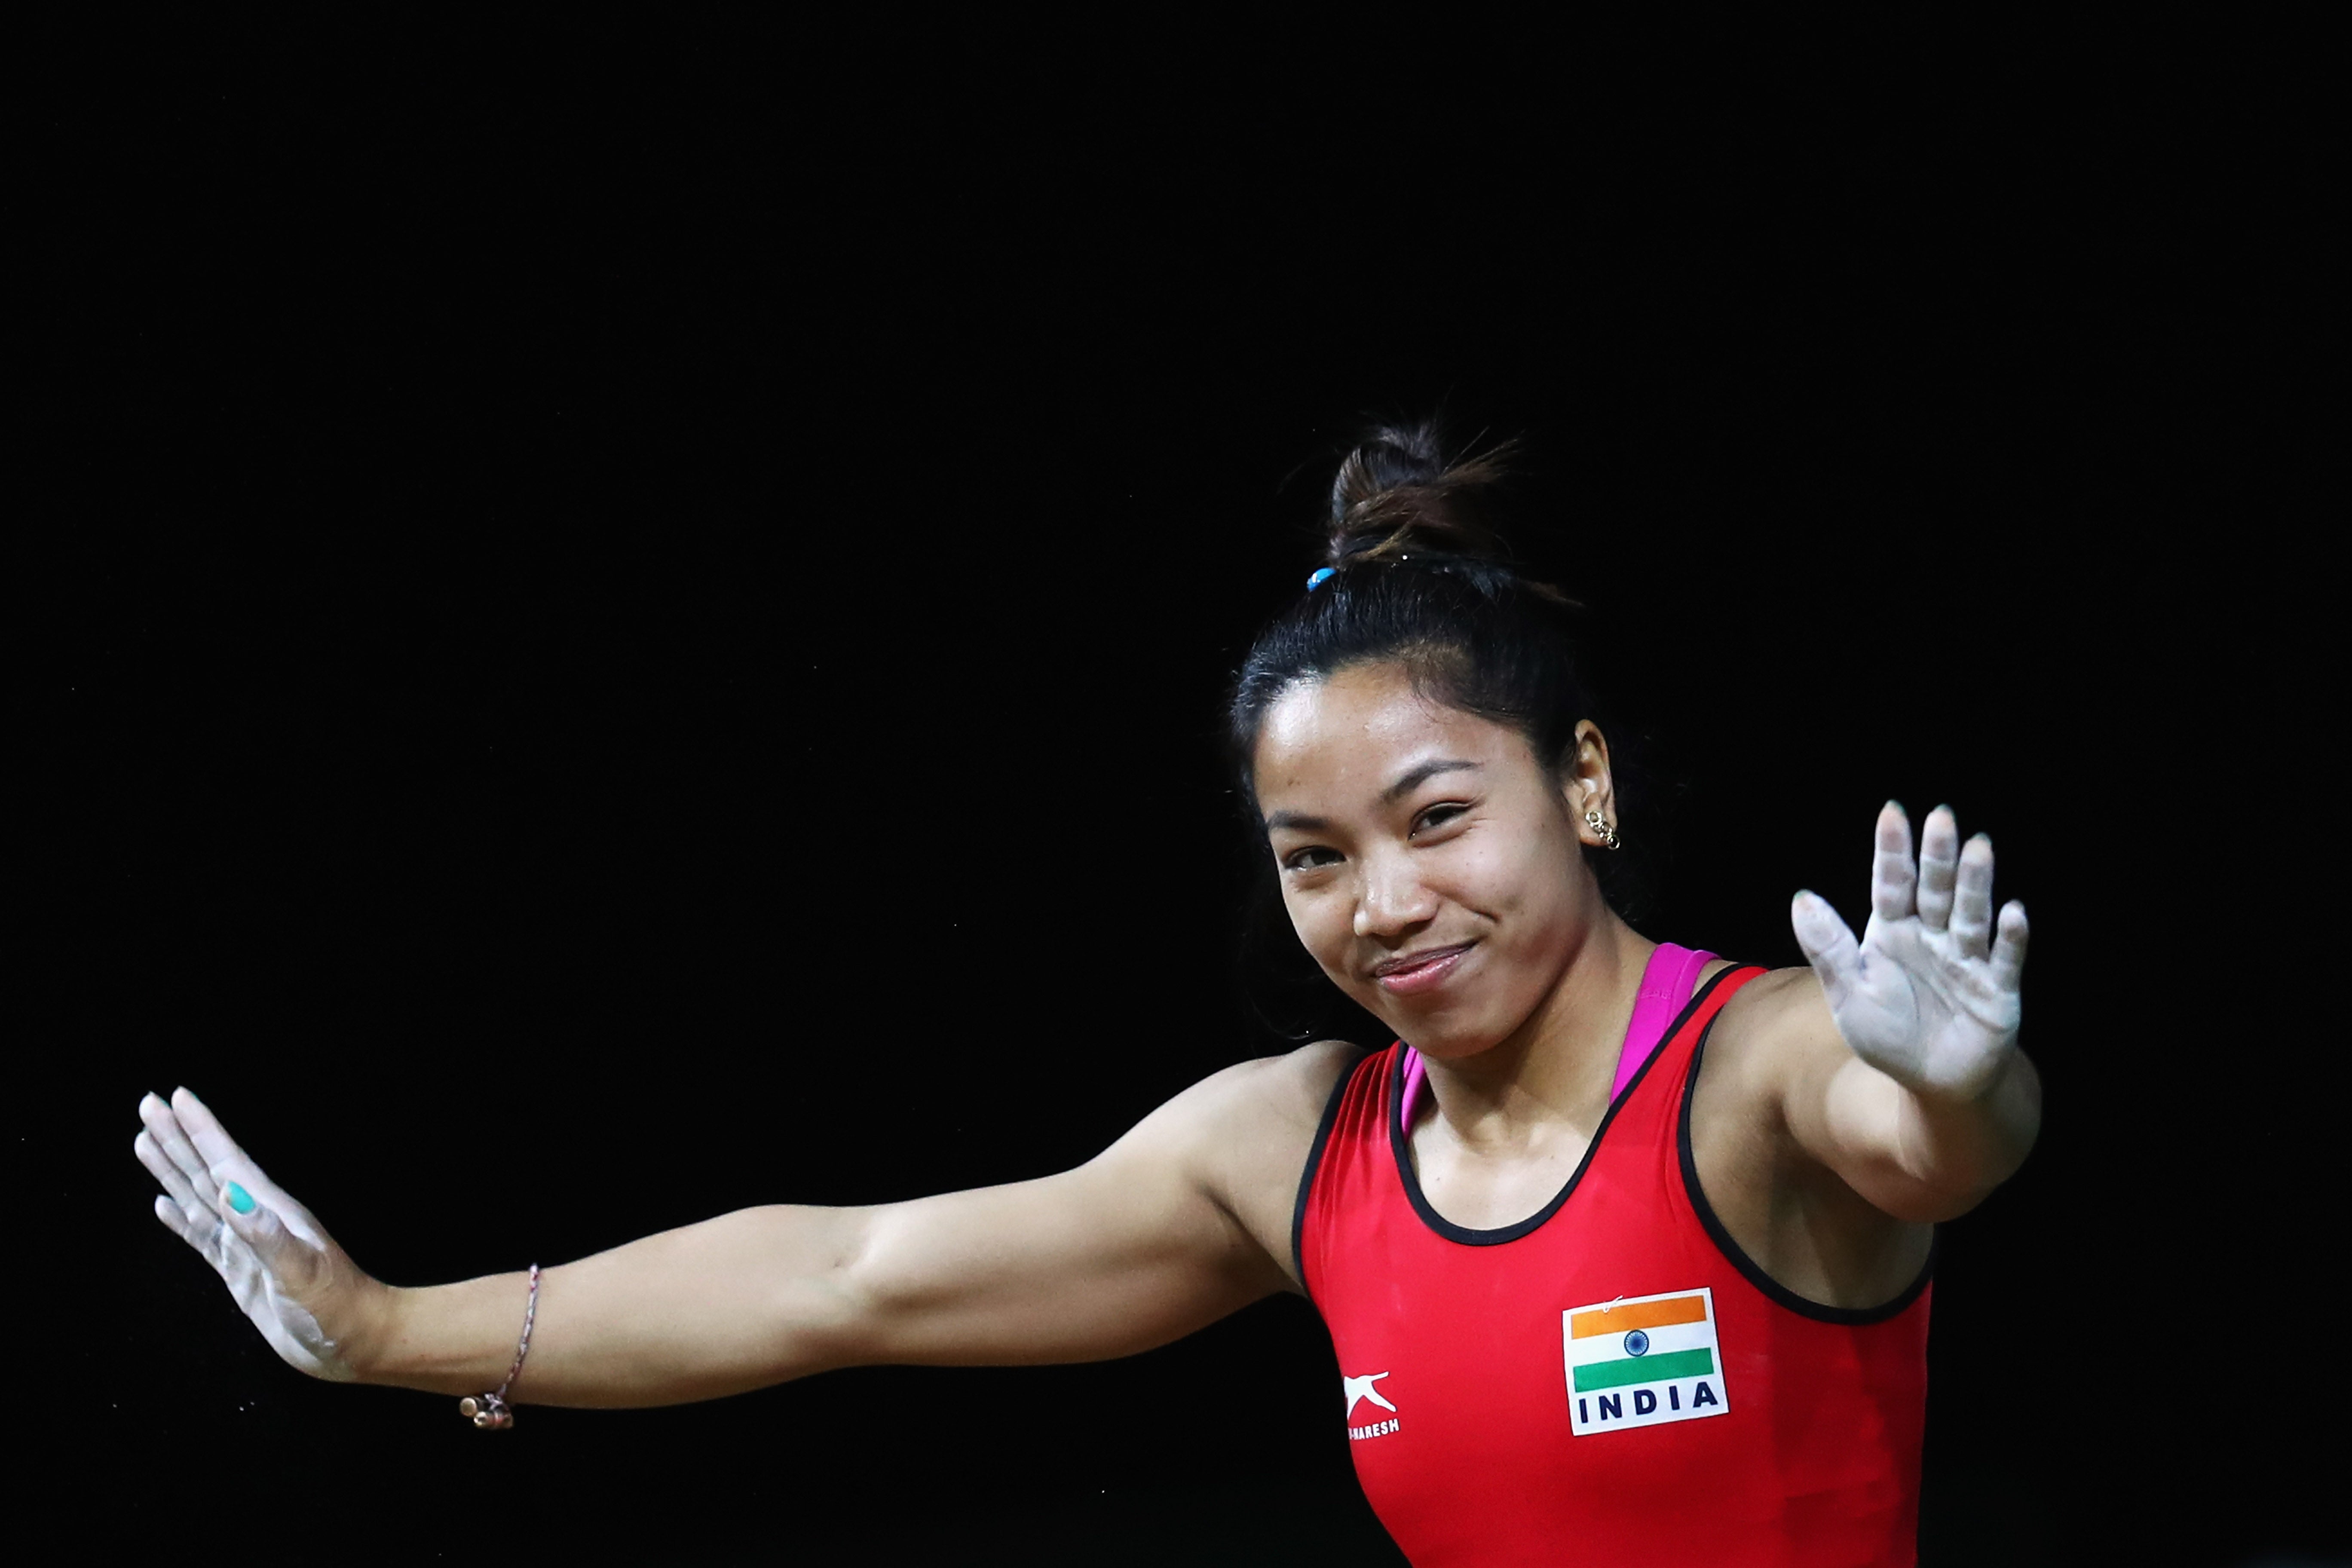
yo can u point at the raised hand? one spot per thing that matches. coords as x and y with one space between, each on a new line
290 1277
1930 994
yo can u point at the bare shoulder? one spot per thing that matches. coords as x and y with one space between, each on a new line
1243 1134
1774 1033
1287 1090
1771 1003
1252 1100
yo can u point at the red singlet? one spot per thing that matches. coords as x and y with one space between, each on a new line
1610 1381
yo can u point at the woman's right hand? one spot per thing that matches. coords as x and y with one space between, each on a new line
305 1296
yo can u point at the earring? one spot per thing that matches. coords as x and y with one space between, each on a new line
1600 825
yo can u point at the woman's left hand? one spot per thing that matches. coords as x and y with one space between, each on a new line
1930 994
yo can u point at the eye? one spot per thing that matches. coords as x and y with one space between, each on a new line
1314 857
1437 817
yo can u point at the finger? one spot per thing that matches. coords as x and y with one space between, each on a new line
1891 880
198 1226
211 1138
255 1223
174 1221
259 1228
1972 899
204 1204
2009 947
225 1160
167 1174
1828 943
1939 859
172 1139
201 1232
205 1236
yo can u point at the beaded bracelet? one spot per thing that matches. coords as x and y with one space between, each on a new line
489 1411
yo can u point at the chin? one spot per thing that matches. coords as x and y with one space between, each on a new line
1447 1035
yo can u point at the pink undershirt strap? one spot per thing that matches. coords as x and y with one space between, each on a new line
1667 981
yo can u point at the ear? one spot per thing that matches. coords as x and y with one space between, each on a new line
1586 784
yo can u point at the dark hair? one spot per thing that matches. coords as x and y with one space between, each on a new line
1422 577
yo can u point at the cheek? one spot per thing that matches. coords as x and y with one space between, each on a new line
1526 881
1326 926
1319 920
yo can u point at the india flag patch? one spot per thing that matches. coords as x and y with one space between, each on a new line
1638 1361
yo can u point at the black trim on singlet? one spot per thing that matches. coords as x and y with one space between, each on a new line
1402 1146
1779 1295
1314 1161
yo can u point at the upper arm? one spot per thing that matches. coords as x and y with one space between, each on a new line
1183 1220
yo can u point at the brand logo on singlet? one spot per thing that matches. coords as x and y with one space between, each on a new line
1639 1361
1359 1390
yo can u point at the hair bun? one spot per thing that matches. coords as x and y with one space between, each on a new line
1399 490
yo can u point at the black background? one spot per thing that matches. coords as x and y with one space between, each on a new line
630 622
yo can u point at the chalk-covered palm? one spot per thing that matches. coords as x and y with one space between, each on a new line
277 1260
1930 994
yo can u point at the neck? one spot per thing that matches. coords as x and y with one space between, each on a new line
1555 1068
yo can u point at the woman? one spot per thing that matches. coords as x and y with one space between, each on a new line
1623 1249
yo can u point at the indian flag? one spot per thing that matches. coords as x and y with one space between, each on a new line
1638 1360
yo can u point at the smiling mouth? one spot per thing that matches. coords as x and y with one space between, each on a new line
1412 971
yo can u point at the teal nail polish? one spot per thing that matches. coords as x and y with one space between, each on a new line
239 1199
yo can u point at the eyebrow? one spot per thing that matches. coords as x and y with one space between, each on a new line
1419 774
1412 779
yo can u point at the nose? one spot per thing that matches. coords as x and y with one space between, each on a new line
1392 901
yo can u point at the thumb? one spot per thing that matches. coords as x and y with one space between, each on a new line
1828 943
279 1279
277 1251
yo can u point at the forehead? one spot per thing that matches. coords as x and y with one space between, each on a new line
1354 732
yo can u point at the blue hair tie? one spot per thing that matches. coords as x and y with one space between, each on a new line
1320 575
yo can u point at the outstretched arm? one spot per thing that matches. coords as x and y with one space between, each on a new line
1901 1069
1173 1227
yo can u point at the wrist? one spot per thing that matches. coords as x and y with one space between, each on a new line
456 1339
1994 1119
1969 1092
376 1317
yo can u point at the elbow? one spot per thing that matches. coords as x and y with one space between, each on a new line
1932 1205
1936 1194
1947 1160
819 1313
